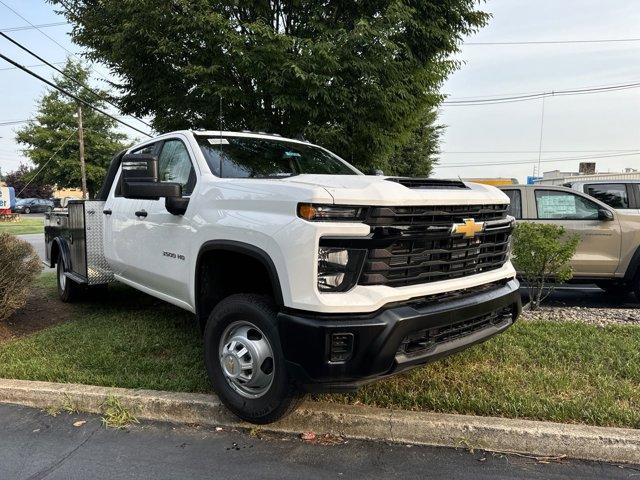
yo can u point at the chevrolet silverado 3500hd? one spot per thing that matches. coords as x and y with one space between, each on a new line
304 274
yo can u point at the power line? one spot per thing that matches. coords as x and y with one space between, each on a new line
533 161
47 162
62 72
534 96
75 97
32 27
50 38
12 122
31 66
556 42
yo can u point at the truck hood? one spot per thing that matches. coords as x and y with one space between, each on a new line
379 190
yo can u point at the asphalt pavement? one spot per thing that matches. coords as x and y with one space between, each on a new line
37 242
35 445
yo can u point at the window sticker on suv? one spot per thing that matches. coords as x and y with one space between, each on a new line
550 206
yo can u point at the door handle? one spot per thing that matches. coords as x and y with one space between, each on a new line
141 213
107 212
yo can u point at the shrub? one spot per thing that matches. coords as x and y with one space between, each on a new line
19 267
541 254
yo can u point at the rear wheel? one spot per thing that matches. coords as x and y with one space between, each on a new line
244 359
68 290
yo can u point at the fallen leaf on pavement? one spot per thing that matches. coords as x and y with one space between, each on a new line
308 436
79 423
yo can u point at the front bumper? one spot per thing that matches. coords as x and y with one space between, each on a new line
394 339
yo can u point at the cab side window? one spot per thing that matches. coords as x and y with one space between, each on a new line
613 194
174 165
556 205
515 203
148 149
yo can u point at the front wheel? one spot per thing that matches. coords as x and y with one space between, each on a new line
244 359
68 290
27 210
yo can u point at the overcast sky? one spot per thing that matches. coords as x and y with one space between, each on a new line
574 126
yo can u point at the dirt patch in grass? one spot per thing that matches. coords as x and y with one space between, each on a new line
43 310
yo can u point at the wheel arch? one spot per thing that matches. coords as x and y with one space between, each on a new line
634 266
237 248
60 248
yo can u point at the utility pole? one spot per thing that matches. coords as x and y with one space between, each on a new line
81 142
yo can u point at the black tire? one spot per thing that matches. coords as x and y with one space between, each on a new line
49 209
27 210
68 290
636 286
614 288
281 396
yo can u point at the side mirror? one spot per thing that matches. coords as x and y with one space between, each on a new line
377 172
605 214
139 179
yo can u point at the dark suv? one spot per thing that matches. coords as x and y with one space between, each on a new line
33 205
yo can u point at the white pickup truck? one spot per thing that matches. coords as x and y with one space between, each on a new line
304 274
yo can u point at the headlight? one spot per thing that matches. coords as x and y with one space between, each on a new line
338 268
330 213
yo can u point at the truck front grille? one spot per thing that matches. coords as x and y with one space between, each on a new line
413 245
420 342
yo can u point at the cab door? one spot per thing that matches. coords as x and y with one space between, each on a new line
163 240
121 244
598 252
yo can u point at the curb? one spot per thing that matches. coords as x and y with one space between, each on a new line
487 433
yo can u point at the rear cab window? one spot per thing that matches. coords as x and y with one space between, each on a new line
515 203
615 195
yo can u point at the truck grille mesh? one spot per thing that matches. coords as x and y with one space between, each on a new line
420 342
412 245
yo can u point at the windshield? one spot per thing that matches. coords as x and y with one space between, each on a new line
251 157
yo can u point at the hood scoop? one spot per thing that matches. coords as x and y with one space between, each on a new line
428 183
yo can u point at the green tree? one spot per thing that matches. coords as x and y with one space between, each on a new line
541 254
27 184
51 138
359 77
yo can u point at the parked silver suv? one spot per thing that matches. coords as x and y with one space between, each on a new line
622 195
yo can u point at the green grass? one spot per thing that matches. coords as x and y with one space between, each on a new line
23 226
551 371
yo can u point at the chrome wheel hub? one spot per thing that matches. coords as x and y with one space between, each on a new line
246 358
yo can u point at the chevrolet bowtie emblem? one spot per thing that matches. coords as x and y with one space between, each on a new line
469 228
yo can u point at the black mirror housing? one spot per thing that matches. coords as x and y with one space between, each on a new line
140 181
605 214
138 167
150 190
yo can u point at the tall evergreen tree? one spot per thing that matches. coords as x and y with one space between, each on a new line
52 135
361 77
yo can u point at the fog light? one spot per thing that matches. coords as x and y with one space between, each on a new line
341 348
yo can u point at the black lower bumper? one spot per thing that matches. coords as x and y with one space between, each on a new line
391 340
